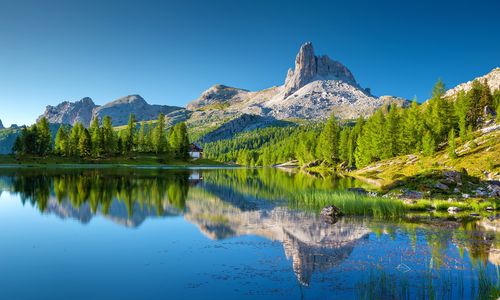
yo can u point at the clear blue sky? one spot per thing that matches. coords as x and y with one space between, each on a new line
170 51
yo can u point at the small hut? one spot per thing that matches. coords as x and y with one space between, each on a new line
195 151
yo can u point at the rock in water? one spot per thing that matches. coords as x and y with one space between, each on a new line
453 209
331 214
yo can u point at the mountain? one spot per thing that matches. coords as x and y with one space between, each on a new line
71 112
492 78
315 88
119 110
1 125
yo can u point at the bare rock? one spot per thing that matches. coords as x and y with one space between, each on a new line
71 112
442 186
309 67
331 214
453 209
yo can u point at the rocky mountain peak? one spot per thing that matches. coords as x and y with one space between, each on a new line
71 112
218 93
492 79
309 67
130 99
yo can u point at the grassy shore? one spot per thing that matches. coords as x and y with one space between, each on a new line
132 160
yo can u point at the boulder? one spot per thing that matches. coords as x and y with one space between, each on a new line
361 191
453 177
453 209
442 186
331 214
412 195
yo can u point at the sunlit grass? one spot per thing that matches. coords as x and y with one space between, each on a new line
351 204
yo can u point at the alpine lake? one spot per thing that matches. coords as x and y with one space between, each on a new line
227 233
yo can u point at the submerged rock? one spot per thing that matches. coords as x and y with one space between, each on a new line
331 214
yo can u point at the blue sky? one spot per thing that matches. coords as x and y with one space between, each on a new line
170 51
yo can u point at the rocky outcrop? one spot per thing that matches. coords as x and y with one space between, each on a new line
70 112
309 67
218 94
317 87
492 78
1 125
119 110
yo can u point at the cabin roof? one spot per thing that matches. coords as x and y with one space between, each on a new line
195 148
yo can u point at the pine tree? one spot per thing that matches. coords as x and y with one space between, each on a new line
129 134
61 142
43 137
462 107
370 144
85 143
343 144
109 136
440 113
17 148
451 144
411 129
328 141
141 138
428 144
159 135
179 141
474 96
74 139
391 133
486 99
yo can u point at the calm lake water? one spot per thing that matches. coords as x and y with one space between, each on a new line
221 234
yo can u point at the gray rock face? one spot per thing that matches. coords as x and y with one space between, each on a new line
1 125
217 94
316 88
309 67
70 112
119 110
492 78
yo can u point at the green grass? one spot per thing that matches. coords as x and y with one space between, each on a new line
135 159
351 204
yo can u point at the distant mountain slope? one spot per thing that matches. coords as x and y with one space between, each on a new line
313 90
492 78
70 112
119 110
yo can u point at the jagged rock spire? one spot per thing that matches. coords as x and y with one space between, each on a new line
309 67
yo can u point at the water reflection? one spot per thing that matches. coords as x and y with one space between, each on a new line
231 203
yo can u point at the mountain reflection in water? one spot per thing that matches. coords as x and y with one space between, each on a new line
231 203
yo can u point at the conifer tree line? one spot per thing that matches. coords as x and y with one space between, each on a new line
390 131
102 140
